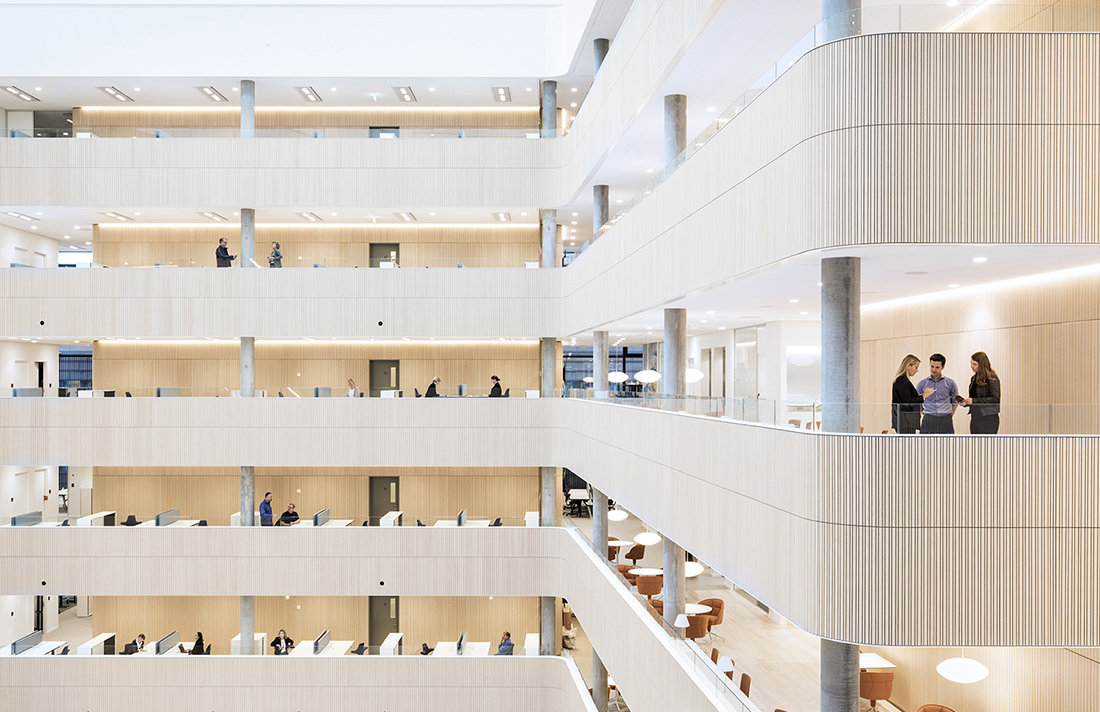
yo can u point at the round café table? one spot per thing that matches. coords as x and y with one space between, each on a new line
694 609
647 572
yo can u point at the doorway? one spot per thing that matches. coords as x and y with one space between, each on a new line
718 372
385 497
384 132
40 368
384 376
387 253
383 619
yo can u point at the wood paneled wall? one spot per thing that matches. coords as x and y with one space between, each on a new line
213 368
1039 337
421 619
329 245
116 121
213 493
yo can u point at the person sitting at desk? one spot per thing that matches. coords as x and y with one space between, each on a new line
282 644
199 648
353 390
505 647
431 392
139 643
496 392
289 517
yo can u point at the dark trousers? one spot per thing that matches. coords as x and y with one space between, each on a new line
937 425
985 424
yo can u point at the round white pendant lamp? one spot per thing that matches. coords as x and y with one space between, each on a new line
617 377
648 539
617 515
962 670
692 569
693 375
647 376
588 379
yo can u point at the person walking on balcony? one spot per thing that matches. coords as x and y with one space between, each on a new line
265 511
984 396
275 259
941 404
905 413
222 253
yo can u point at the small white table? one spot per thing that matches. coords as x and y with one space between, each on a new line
580 494
873 661
94 646
93 520
46 647
618 545
694 609
647 572
259 646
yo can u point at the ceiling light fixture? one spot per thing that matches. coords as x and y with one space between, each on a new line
212 94
21 94
215 217
962 670
647 376
114 93
312 217
502 94
405 94
980 260
693 375
309 94
502 217
648 539
617 377
692 569
21 216
407 217
119 216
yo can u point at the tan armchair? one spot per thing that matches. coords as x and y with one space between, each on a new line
624 569
636 552
934 708
612 551
650 586
697 627
875 686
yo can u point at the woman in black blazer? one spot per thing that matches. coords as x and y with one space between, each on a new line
985 396
905 411
431 392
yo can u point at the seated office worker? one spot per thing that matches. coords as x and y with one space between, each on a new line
496 392
265 511
289 517
199 648
941 405
505 647
282 644
139 643
222 253
431 392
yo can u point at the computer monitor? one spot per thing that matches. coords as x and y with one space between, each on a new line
460 520
109 646
130 649
27 520
109 519
461 644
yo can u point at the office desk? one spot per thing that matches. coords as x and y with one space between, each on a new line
46 647
694 609
260 646
329 523
874 661
469 523
177 523
531 644
450 649
95 645
335 648
391 519
389 645
93 520
151 648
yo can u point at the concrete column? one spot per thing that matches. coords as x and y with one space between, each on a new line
674 373
599 53
549 219
248 237
599 522
841 19
674 589
548 486
599 682
840 283
599 361
548 624
248 496
839 676
549 109
676 126
248 626
601 208
248 366
248 108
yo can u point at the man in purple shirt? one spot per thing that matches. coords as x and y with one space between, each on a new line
941 405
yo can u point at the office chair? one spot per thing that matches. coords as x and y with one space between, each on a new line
420 523
360 650
131 521
65 523
425 650
746 683
417 392
366 522
65 650
496 523
130 649
362 394
506 392
202 523
281 394
208 646
128 394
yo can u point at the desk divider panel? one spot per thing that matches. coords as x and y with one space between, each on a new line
321 642
26 642
27 520
168 642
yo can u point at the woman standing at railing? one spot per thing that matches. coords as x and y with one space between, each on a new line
905 413
985 396
275 259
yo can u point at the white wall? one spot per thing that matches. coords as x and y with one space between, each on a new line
17 369
777 343
37 250
16 617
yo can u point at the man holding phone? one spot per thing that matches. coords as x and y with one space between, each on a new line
944 401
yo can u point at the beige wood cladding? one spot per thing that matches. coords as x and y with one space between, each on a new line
421 619
328 245
1039 336
118 121
213 368
397 684
213 493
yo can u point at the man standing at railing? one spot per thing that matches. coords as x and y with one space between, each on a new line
222 253
944 401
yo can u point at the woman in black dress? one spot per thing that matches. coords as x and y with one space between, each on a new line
985 396
905 413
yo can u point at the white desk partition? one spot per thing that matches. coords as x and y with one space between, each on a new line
389 645
235 519
391 519
531 519
532 394
478 522
336 648
93 520
531 644
46 647
259 649
450 648
330 523
95 645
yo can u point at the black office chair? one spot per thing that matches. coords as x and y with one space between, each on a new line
202 523
131 521
65 650
507 391
65 523
366 522
420 523
417 392
281 394
425 650
209 645
128 394
362 394
497 523
361 649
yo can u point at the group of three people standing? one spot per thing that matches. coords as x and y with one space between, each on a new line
939 396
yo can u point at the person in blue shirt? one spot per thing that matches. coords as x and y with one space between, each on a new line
940 406
505 647
265 511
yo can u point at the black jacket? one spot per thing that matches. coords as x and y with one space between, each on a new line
496 392
906 402
430 393
224 258
987 398
289 644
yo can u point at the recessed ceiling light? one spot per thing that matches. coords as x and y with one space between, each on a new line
332 214
137 213
619 201
87 243
573 89
523 214
38 88
114 93
648 170
20 93
137 88
309 94
66 237
431 214
118 216
34 227
406 216
502 94
215 217
710 312
21 216
803 313
431 88
312 217
712 108
502 217
721 328
405 94
952 286
212 94
235 89
980 260
573 105
41 213
574 222
530 89
332 89
702 321
793 301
